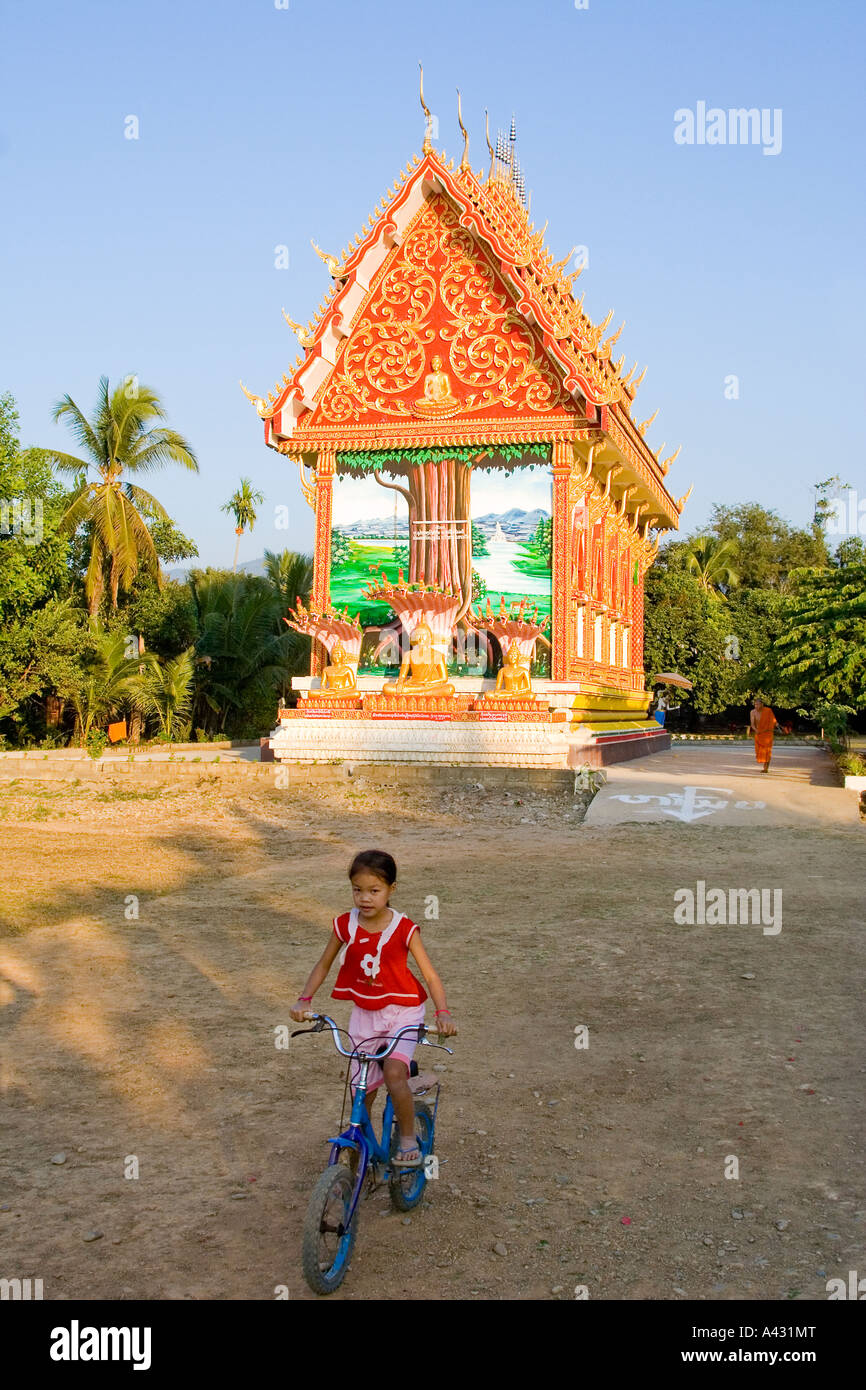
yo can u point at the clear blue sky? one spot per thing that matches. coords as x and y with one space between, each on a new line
262 126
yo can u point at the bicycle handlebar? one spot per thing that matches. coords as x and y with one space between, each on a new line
419 1028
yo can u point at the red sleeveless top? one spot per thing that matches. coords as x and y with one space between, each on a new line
374 969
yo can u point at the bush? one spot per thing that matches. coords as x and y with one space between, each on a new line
96 741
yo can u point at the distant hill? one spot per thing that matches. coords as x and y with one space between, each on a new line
382 527
248 567
517 525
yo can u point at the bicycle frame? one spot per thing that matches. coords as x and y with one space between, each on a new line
360 1134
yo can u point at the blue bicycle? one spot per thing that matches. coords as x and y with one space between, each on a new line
358 1157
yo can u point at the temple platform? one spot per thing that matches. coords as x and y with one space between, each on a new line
561 725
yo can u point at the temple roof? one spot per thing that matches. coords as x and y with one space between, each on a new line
589 396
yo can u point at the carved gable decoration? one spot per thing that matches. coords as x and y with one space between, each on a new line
439 338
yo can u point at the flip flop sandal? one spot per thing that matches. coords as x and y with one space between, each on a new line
398 1162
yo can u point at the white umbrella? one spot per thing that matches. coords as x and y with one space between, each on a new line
671 678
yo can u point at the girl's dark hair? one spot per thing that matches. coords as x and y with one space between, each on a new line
378 862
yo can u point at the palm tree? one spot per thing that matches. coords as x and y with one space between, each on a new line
113 680
243 657
168 693
710 560
118 440
291 578
290 575
243 505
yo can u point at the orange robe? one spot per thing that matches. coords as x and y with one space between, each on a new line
764 734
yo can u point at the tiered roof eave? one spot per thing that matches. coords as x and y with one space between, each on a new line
491 211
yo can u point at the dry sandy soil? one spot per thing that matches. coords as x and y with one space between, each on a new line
601 1166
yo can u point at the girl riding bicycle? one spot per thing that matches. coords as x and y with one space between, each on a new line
374 942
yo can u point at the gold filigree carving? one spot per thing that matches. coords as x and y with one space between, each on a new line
439 286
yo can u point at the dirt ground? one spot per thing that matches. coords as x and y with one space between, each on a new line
600 1166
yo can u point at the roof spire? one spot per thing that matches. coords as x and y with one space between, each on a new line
427 147
489 146
464 163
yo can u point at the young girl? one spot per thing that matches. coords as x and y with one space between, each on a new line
375 975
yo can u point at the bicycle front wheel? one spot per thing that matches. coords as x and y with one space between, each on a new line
329 1236
407 1184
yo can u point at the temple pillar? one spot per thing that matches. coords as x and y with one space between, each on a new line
561 466
320 596
636 643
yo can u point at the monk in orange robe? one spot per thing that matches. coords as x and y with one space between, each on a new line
763 722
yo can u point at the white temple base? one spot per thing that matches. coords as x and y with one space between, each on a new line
315 740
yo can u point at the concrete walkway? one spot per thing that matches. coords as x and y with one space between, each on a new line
201 753
724 785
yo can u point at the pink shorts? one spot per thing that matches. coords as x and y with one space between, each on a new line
380 1025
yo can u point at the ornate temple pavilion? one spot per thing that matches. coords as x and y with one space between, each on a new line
486 505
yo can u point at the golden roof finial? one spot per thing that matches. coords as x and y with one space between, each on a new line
489 146
571 277
256 400
464 163
427 147
559 266
330 261
610 342
683 500
633 385
303 338
665 465
642 429
603 326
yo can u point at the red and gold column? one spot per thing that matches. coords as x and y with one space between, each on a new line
562 462
320 597
636 662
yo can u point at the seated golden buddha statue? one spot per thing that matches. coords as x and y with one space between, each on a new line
437 398
339 677
513 680
423 670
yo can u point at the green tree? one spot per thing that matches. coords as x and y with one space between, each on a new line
686 631
242 656
341 547
242 505
119 440
114 681
40 654
33 557
168 694
821 653
712 561
479 544
290 576
543 539
769 549
170 543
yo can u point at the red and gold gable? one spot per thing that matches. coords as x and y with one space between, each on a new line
437 295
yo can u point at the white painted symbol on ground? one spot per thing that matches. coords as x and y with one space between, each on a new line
692 803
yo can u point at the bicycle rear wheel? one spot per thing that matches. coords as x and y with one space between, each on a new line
328 1241
407 1184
